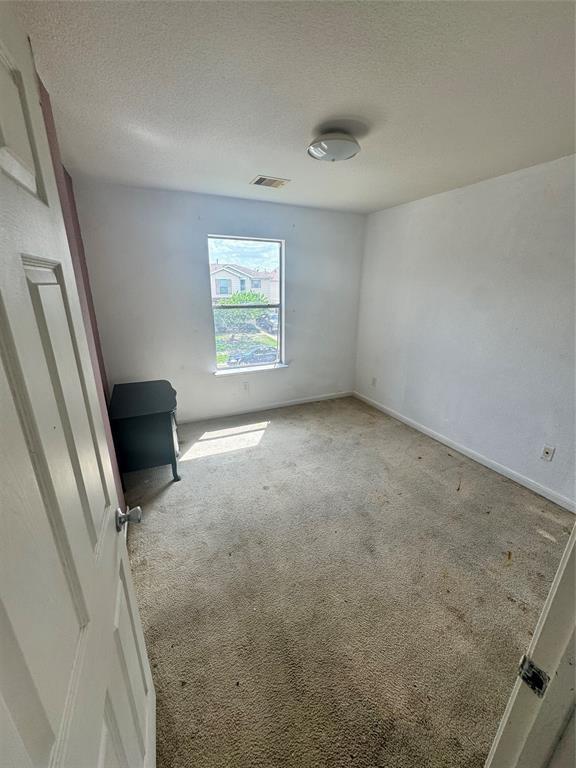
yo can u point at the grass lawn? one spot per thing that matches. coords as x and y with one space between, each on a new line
226 343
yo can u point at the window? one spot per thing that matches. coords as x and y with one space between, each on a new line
223 287
248 325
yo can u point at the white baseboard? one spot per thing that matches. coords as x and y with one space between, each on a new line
542 490
271 406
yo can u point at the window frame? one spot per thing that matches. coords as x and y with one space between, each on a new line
280 362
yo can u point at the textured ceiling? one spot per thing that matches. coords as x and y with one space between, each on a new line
204 96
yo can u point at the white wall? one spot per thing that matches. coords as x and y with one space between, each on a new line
147 257
466 315
467 320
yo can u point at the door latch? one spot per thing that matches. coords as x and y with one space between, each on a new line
133 515
534 677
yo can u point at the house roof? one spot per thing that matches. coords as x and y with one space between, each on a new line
258 274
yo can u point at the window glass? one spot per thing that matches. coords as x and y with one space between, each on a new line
223 287
246 280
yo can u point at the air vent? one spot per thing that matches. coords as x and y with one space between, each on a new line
269 181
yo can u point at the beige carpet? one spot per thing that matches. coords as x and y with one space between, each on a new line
328 587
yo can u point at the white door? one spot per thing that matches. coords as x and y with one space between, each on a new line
75 683
536 731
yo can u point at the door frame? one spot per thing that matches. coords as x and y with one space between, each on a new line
532 726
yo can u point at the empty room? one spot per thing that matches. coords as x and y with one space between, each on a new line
287 384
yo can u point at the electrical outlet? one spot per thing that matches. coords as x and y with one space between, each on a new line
548 453
374 380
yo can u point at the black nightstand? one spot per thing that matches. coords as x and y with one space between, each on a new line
143 419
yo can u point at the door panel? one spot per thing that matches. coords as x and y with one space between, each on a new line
133 674
16 149
26 726
122 715
29 556
75 683
112 753
14 753
60 347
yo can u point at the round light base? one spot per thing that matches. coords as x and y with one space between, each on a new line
332 147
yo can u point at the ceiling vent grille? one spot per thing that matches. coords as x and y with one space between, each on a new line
269 181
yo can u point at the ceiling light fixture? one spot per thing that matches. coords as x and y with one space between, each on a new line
334 146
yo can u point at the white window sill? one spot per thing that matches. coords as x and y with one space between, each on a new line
250 369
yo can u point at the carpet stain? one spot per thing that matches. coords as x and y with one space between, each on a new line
323 598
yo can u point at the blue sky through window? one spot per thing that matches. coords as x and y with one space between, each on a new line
254 254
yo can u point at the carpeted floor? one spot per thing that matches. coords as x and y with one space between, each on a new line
327 587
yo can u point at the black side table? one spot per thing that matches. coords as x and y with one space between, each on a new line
143 420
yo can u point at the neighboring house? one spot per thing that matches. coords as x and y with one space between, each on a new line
227 279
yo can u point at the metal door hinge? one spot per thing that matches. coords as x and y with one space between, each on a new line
534 677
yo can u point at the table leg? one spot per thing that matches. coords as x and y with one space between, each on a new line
173 454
